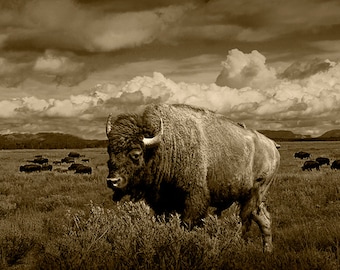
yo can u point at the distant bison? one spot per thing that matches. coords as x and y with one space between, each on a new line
74 166
322 160
310 164
74 155
83 169
302 155
184 159
46 167
39 160
61 170
30 168
85 160
67 160
335 165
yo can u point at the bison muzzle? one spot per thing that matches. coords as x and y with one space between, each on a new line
184 159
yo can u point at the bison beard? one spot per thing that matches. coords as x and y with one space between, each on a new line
195 159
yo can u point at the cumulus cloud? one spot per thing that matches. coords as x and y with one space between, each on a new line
299 70
241 70
64 70
252 93
51 67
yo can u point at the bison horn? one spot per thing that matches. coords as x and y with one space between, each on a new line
109 124
155 140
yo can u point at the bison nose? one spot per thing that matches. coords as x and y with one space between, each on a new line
117 182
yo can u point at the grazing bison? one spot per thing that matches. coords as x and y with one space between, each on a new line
61 170
83 169
322 160
185 159
74 166
39 160
302 155
30 168
46 167
310 164
67 160
335 165
74 155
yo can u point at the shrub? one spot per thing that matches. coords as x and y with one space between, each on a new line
131 237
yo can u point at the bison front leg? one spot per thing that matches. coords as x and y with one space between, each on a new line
195 206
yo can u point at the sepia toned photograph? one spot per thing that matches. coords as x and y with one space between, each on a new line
199 134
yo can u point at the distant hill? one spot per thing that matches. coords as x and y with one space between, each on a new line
283 135
47 141
332 135
67 141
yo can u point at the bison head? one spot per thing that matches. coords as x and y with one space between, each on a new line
127 153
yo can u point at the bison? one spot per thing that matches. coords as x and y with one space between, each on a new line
74 155
335 165
310 164
67 160
184 159
83 169
30 168
301 155
46 167
39 160
74 166
322 160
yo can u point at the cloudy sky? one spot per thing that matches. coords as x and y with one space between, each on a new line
66 64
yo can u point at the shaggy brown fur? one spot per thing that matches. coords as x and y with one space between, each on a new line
203 160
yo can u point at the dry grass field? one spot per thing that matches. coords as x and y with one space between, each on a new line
54 220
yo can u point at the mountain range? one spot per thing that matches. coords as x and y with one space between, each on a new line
47 141
286 135
67 141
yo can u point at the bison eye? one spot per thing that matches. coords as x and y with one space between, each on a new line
135 154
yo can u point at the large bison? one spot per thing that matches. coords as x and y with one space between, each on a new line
185 159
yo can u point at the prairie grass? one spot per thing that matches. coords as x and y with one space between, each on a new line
53 220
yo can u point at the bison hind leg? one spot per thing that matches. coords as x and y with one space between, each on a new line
262 217
246 215
253 208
